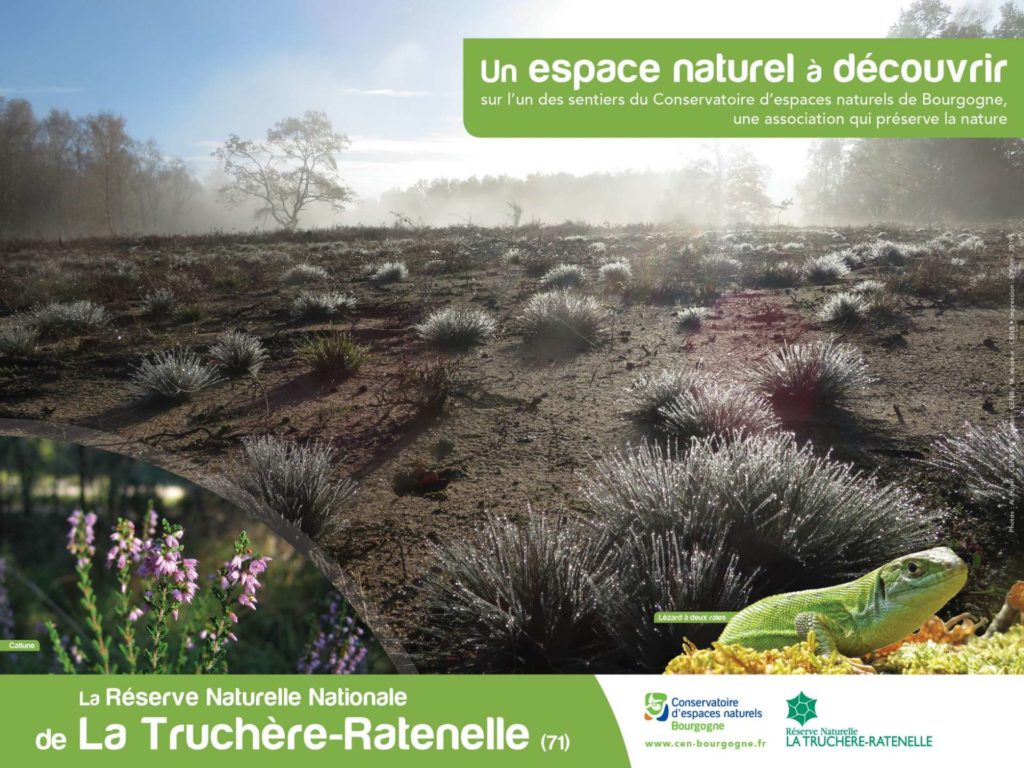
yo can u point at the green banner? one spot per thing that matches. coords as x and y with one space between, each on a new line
693 617
19 646
384 720
743 88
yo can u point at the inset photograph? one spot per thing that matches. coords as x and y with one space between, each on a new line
110 565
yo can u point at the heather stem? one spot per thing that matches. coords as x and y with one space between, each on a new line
94 620
158 629
128 646
59 650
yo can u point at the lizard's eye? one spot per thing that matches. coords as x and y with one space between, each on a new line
912 568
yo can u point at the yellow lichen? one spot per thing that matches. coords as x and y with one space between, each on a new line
1002 653
723 659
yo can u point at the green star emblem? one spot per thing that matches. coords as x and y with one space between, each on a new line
801 708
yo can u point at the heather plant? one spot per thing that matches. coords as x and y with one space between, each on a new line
61 319
18 339
323 305
334 354
452 328
237 353
523 598
811 375
563 316
825 269
713 409
389 272
816 515
691 318
562 276
304 273
174 375
989 464
337 644
844 308
155 584
294 480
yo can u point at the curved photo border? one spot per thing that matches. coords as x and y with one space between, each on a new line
227 490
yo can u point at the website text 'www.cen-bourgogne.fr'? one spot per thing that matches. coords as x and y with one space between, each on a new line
706 744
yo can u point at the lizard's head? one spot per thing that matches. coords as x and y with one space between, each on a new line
931 577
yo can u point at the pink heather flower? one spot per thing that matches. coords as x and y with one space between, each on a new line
127 547
164 563
81 536
135 614
76 654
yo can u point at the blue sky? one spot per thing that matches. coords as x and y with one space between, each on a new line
188 73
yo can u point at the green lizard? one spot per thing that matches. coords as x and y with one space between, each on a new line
857 617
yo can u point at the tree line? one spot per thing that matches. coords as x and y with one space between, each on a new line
921 180
62 176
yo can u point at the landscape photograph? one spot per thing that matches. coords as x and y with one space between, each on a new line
499 406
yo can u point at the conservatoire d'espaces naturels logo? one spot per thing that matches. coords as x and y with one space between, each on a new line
656 706
802 708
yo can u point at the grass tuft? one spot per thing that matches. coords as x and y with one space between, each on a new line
616 274
320 306
237 353
452 328
714 409
389 272
62 319
563 316
812 375
989 463
844 309
18 339
825 269
562 276
523 598
294 480
175 375
333 354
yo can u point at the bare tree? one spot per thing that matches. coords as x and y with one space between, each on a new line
515 213
297 165
112 152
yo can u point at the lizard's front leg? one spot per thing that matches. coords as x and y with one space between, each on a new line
826 633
